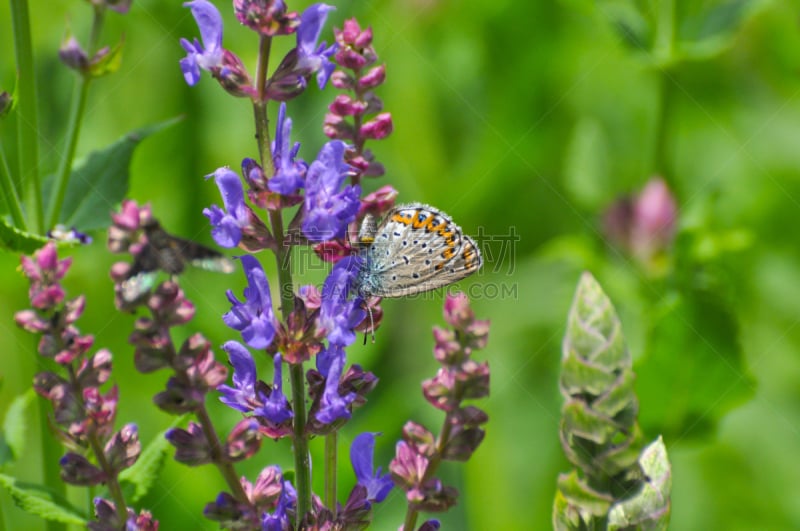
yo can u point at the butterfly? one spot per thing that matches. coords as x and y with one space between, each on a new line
168 253
415 248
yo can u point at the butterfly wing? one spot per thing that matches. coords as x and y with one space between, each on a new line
417 248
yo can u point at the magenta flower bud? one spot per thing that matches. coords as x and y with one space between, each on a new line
123 449
433 496
332 251
420 438
408 467
344 105
267 488
457 312
377 128
267 17
131 216
373 78
95 371
47 297
74 309
191 447
310 295
335 126
654 219
474 378
29 320
244 440
462 443
73 55
378 202
342 80
179 397
77 470
232 75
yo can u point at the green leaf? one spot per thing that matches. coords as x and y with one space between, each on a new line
13 239
692 372
40 501
101 181
649 508
706 33
16 421
576 504
137 480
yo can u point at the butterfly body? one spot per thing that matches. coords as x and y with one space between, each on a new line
415 248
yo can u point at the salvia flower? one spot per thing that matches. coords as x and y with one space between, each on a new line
108 519
276 406
242 395
289 173
313 58
254 317
340 315
227 224
328 209
208 55
361 456
333 405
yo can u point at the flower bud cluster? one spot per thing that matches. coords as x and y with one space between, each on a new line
460 378
356 116
83 416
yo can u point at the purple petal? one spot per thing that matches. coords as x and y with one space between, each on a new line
209 22
311 22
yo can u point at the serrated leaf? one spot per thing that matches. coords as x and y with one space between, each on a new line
137 480
16 423
649 508
578 494
100 182
13 239
40 501
693 370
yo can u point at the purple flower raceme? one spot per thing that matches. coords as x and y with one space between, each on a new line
254 317
207 55
328 210
289 173
361 456
278 520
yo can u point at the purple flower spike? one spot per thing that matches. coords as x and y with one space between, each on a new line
311 57
361 455
328 211
276 408
228 223
338 315
243 393
209 54
289 172
334 406
254 317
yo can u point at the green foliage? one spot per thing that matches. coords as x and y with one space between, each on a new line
39 501
619 487
15 425
100 182
13 239
137 480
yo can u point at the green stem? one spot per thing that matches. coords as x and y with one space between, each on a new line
51 454
302 459
10 193
112 483
330 471
223 465
27 120
664 53
77 108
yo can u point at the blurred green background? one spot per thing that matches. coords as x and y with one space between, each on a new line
516 118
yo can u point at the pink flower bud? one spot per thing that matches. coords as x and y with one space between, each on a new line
377 128
373 78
